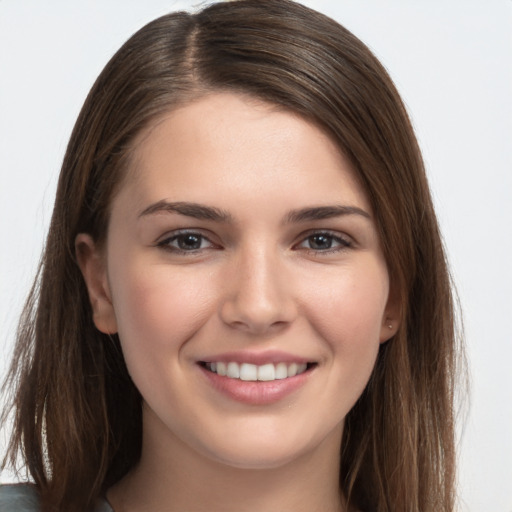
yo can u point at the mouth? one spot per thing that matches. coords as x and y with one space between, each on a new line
254 378
253 373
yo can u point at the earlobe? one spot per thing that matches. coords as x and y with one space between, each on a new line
93 267
389 328
391 318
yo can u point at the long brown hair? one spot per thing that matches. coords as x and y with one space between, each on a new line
77 414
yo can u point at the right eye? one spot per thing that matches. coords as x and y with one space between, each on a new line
186 242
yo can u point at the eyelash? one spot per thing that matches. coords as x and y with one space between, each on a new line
343 243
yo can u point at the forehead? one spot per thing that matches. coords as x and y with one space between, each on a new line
232 146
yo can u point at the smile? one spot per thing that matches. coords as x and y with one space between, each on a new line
251 372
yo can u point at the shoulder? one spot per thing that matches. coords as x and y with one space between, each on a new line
24 498
19 498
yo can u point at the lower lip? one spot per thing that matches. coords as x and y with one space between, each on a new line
256 392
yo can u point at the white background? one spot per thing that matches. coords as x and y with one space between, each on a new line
451 61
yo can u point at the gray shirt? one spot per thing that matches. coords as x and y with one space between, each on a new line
24 498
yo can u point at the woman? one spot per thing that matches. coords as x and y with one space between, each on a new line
244 302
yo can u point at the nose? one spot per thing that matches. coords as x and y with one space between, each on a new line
257 295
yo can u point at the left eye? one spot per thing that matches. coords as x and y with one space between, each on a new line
324 242
186 242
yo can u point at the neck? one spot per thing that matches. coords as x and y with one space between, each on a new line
173 477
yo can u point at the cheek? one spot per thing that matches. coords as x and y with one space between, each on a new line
157 311
349 320
347 310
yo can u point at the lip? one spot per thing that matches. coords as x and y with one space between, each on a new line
256 392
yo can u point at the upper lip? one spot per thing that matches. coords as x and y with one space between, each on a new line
256 358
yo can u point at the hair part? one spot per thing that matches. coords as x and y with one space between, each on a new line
77 414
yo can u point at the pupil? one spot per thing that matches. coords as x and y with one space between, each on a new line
320 242
189 242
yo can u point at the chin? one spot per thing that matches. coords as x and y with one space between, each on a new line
261 451
256 458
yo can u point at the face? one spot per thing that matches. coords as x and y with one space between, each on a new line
243 273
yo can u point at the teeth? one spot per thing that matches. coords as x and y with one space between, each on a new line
221 369
252 372
281 371
233 371
266 372
248 371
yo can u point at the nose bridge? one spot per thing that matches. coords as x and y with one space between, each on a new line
257 297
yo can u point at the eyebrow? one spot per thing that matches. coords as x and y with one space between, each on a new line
324 212
195 210
202 212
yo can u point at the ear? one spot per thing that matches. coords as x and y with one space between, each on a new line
391 318
92 263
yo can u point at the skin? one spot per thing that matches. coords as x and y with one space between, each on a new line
315 288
